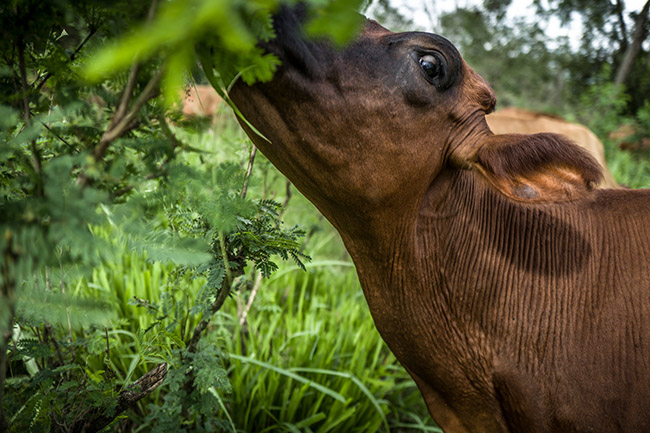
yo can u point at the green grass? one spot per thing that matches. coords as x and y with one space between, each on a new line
629 169
311 329
307 359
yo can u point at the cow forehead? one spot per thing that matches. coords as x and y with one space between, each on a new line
319 59
372 29
388 42
424 40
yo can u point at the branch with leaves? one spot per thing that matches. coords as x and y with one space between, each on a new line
145 385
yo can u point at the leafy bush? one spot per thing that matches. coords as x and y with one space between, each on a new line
79 155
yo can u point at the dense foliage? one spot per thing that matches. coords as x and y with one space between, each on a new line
127 233
87 94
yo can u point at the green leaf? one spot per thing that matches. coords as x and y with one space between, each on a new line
337 20
8 117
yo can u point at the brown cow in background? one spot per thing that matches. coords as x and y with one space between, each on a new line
515 293
200 101
518 121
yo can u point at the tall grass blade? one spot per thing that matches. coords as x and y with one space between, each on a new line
214 392
356 381
245 359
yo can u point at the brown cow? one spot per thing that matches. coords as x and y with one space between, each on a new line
517 121
515 294
199 101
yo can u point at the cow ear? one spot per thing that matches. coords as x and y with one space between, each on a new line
537 168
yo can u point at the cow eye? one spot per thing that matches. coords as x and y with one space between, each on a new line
431 66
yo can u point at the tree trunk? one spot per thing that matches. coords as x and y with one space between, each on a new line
633 49
622 37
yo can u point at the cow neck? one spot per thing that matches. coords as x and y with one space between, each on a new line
466 240
493 256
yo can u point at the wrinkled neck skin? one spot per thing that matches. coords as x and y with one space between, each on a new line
513 297
450 266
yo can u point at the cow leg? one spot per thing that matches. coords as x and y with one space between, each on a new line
521 401
441 413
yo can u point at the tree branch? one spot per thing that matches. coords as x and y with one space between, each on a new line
222 295
193 345
127 94
122 125
127 398
73 56
251 298
121 122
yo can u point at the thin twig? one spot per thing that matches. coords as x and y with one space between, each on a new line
36 156
185 321
57 349
249 171
73 56
170 134
249 304
51 131
4 425
226 262
120 192
127 95
122 125
161 169
23 81
222 295
287 198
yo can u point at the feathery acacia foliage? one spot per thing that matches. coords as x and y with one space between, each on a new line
86 89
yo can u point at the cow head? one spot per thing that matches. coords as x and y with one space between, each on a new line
369 127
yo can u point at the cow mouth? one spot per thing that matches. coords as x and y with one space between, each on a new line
290 45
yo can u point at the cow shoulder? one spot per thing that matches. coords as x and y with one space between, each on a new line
537 168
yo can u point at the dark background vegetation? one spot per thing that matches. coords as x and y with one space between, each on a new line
152 275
